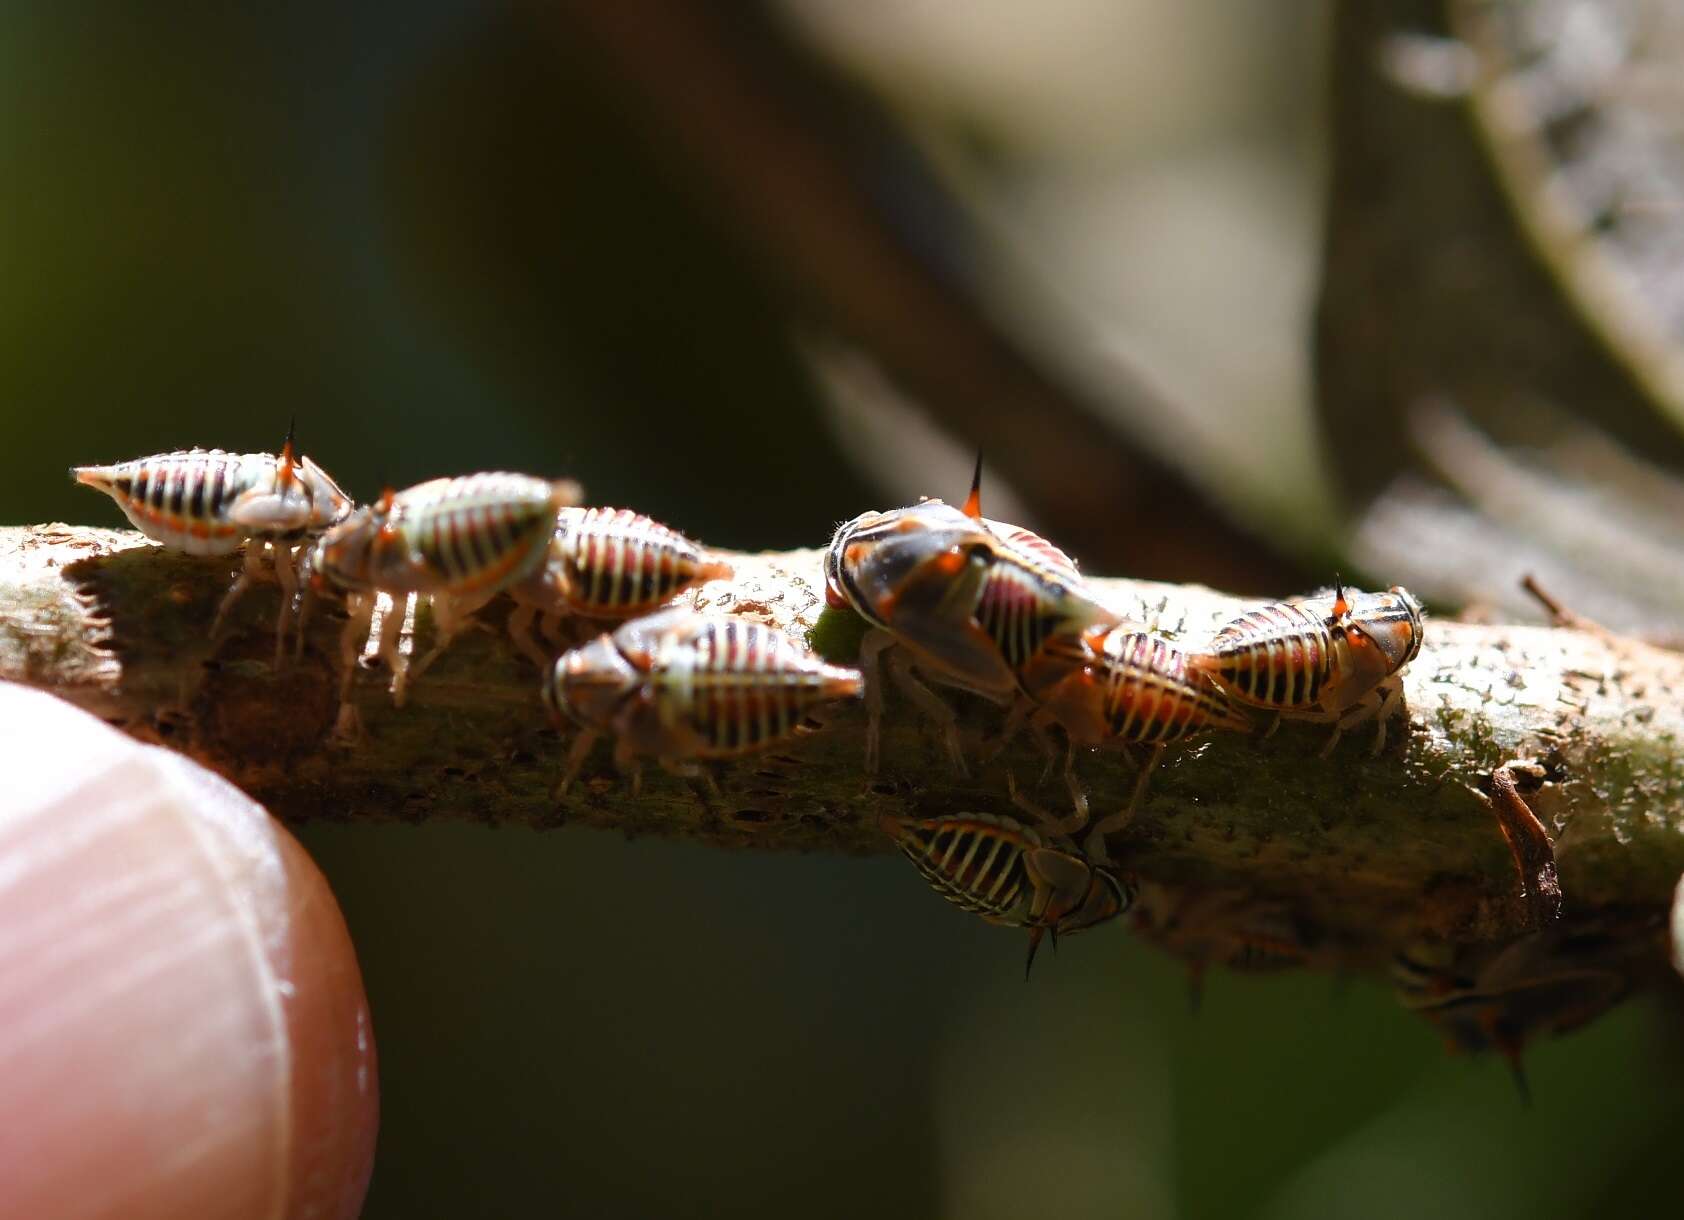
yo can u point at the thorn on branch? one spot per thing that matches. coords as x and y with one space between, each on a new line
1560 616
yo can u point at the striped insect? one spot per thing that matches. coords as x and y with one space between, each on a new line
210 502
1010 874
686 688
1121 688
458 541
1026 543
969 605
606 564
1034 603
1333 658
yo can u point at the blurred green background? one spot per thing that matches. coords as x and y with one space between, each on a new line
442 237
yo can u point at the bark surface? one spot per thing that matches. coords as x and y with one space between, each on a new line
1371 852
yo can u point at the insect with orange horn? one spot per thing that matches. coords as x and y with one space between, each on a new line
210 502
1334 658
1010 874
968 603
688 688
606 564
457 541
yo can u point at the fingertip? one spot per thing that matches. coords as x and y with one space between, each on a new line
335 1098
181 1013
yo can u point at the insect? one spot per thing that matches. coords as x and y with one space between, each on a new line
210 502
606 563
1027 544
1498 997
1332 658
687 687
1221 927
459 541
1010 874
970 603
1126 687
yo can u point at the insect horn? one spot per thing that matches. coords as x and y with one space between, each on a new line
1341 607
1035 935
1517 1069
288 456
1506 1040
972 507
383 505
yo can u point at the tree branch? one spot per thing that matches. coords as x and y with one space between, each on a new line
1372 852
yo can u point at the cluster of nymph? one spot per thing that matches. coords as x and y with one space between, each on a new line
951 597
667 682
957 599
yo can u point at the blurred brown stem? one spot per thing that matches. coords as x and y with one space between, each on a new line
780 144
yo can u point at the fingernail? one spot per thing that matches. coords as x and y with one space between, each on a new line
183 1030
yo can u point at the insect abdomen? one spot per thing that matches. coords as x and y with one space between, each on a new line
1276 657
974 863
742 686
1019 611
1037 551
620 564
180 499
1151 697
480 531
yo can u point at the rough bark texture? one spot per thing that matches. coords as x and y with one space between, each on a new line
1371 851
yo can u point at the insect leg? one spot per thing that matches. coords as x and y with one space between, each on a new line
391 628
933 706
691 770
576 755
452 615
286 575
1078 794
875 641
1061 826
306 603
626 761
1015 719
1391 700
521 619
1050 748
250 569
347 726
1095 846
1364 710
